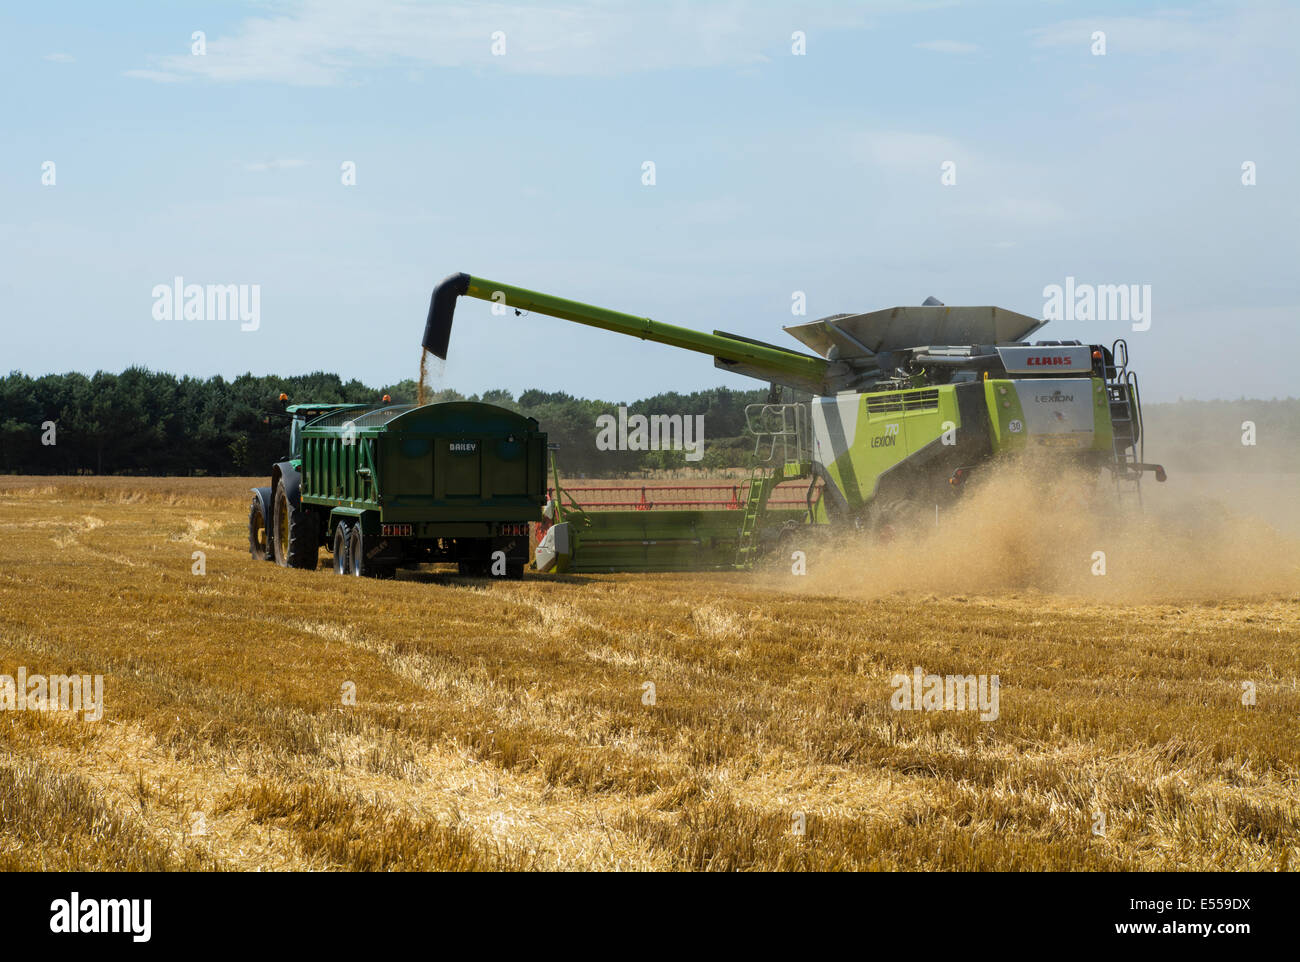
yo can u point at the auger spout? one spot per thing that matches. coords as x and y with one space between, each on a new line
751 358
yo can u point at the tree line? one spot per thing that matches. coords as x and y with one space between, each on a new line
146 422
153 423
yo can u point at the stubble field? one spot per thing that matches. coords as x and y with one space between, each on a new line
502 725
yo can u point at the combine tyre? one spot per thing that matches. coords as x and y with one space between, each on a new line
897 517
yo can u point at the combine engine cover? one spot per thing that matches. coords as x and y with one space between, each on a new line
1055 407
1063 407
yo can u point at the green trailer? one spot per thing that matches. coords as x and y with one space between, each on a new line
396 485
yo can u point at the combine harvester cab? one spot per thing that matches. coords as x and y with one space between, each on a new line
397 485
906 404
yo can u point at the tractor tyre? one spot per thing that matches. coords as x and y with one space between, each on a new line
259 531
295 538
341 548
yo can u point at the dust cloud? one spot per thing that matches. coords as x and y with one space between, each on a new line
1204 537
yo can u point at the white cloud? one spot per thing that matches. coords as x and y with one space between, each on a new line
946 46
1024 210
325 42
993 189
908 150
283 164
60 58
1176 31
157 76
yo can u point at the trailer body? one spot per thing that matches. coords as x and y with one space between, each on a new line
398 485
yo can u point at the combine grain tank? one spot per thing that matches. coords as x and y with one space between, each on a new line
395 485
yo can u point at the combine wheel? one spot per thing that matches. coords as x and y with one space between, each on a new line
341 548
295 538
898 518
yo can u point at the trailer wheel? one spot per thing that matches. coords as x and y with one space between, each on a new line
259 529
341 548
356 552
295 538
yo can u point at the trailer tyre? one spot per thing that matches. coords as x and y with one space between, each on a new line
295 538
341 548
357 566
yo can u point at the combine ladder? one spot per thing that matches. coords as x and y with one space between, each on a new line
758 489
783 429
1126 423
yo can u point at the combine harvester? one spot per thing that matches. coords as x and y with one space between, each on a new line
907 403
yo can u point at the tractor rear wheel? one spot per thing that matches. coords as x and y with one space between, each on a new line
294 535
259 532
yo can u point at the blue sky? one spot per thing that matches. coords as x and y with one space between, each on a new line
775 173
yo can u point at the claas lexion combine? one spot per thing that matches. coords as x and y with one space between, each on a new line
907 403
